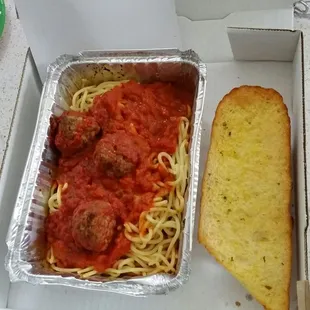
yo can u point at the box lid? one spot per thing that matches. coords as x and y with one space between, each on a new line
69 26
57 27
214 9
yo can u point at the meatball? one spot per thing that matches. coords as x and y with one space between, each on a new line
119 153
93 225
109 161
75 131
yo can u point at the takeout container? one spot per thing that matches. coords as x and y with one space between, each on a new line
25 260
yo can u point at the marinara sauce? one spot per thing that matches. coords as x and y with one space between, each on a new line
138 121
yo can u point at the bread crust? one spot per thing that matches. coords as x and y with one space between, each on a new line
240 99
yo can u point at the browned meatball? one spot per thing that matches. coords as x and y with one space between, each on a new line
75 131
93 225
117 154
111 162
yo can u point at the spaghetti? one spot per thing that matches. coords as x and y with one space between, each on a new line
154 233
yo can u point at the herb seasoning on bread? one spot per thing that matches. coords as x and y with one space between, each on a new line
245 220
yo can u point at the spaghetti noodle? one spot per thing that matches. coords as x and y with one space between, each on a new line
154 236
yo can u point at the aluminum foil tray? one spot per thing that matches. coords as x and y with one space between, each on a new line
25 260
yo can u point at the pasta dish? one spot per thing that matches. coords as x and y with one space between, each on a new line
117 200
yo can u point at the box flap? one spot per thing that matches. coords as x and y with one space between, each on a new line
197 35
215 9
260 44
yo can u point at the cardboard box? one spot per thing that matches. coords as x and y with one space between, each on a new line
269 58
96 24
265 57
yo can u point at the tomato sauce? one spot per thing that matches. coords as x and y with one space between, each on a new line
150 113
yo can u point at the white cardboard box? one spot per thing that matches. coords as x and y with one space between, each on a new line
278 65
56 27
210 287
